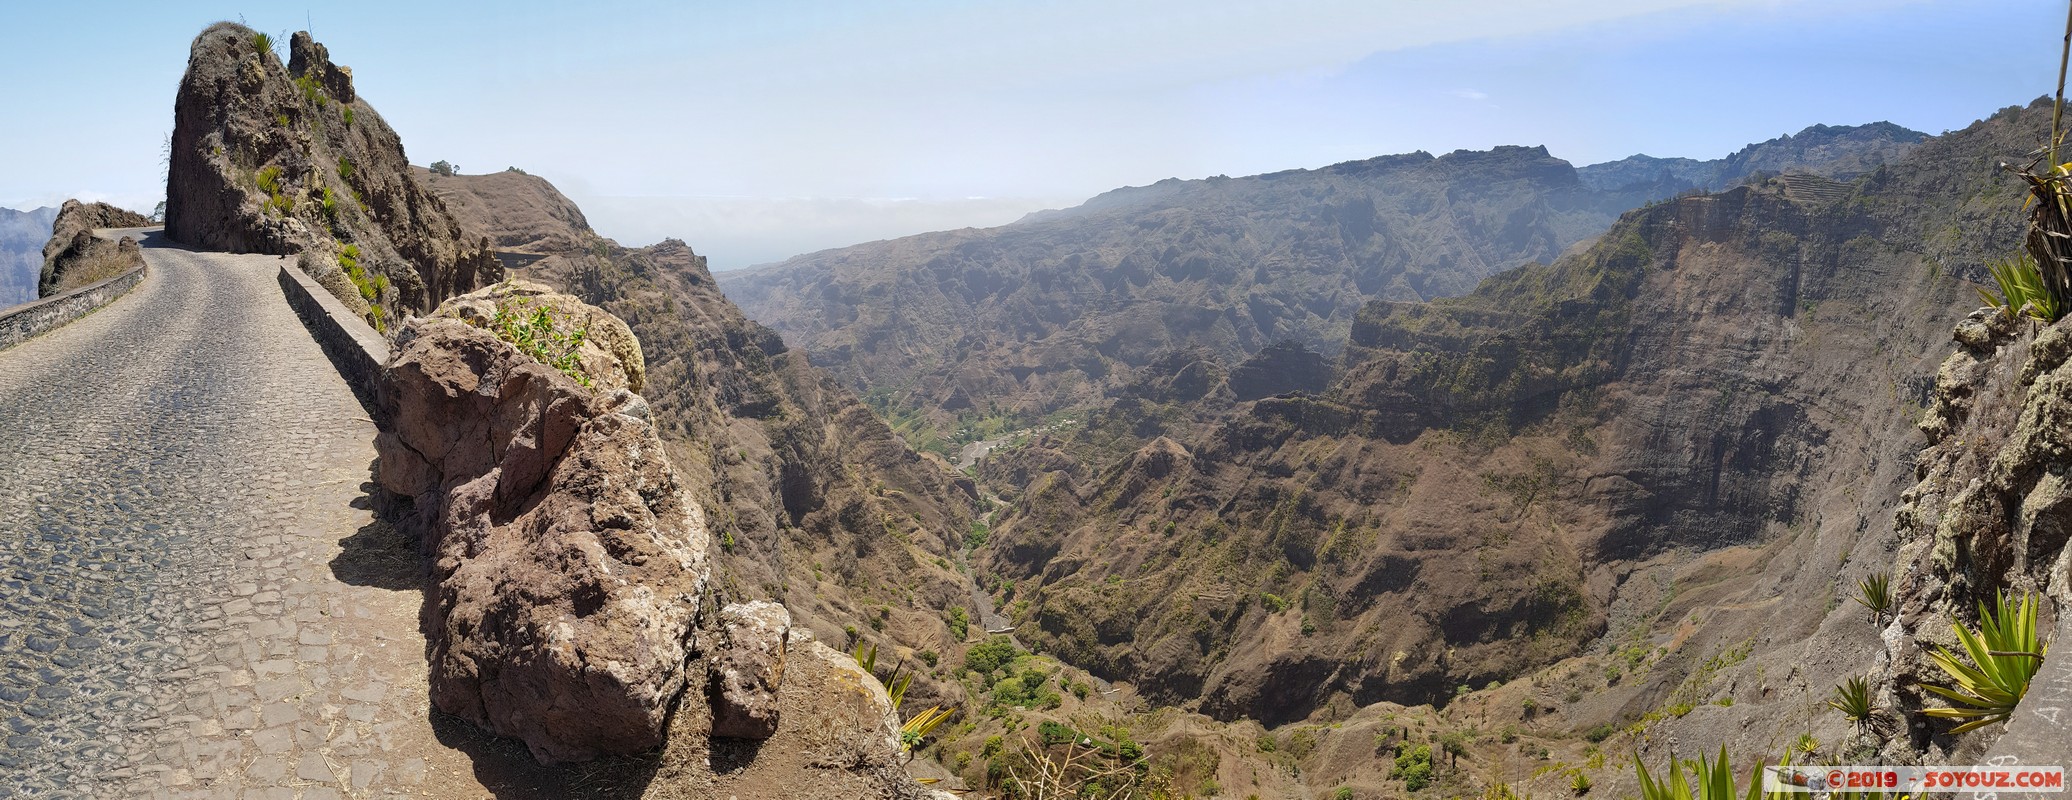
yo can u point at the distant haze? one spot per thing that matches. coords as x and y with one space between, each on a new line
758 131
737 232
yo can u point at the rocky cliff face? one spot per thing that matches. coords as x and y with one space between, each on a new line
287 158
22 237
74 257
1719 387
1991 515
812 499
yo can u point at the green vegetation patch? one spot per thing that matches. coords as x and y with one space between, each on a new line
534 331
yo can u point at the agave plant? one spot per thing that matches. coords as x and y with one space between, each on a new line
2022 289
1875 593
1853 699
924 723
1715 781
2004 655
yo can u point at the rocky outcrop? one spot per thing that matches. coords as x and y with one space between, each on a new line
747 669
1278 369
287 158
1992 511
839 738
74 257
607 355
570 564
570 602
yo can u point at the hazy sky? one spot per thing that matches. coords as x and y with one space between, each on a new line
756 131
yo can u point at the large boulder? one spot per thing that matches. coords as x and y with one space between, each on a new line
570 564
75 257
747 669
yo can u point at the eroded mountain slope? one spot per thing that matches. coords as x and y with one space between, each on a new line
1054 311
1496 481
961 329
1842 152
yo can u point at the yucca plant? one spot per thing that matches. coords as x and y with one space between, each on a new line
2004 655
2022 289
262 42
1853 699
1715 781
924 723
1875 593
895 687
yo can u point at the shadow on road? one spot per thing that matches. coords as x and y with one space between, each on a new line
379 556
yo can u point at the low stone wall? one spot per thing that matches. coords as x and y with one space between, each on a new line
352 344
25 321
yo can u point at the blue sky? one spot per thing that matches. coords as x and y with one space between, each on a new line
760 130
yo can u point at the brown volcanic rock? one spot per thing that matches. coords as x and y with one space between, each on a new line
269 158
840 739
518 212
747 669
609 356
308 58
74 257
570 563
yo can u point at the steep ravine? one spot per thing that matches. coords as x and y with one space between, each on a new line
1715 398
960 334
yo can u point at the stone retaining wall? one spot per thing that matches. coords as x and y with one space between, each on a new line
25 321
354 347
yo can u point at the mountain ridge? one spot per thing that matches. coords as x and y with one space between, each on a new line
1481 488
22 236
961 334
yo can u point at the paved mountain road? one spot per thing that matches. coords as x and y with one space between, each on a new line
194 600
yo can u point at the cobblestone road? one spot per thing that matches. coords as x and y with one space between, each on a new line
193 599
